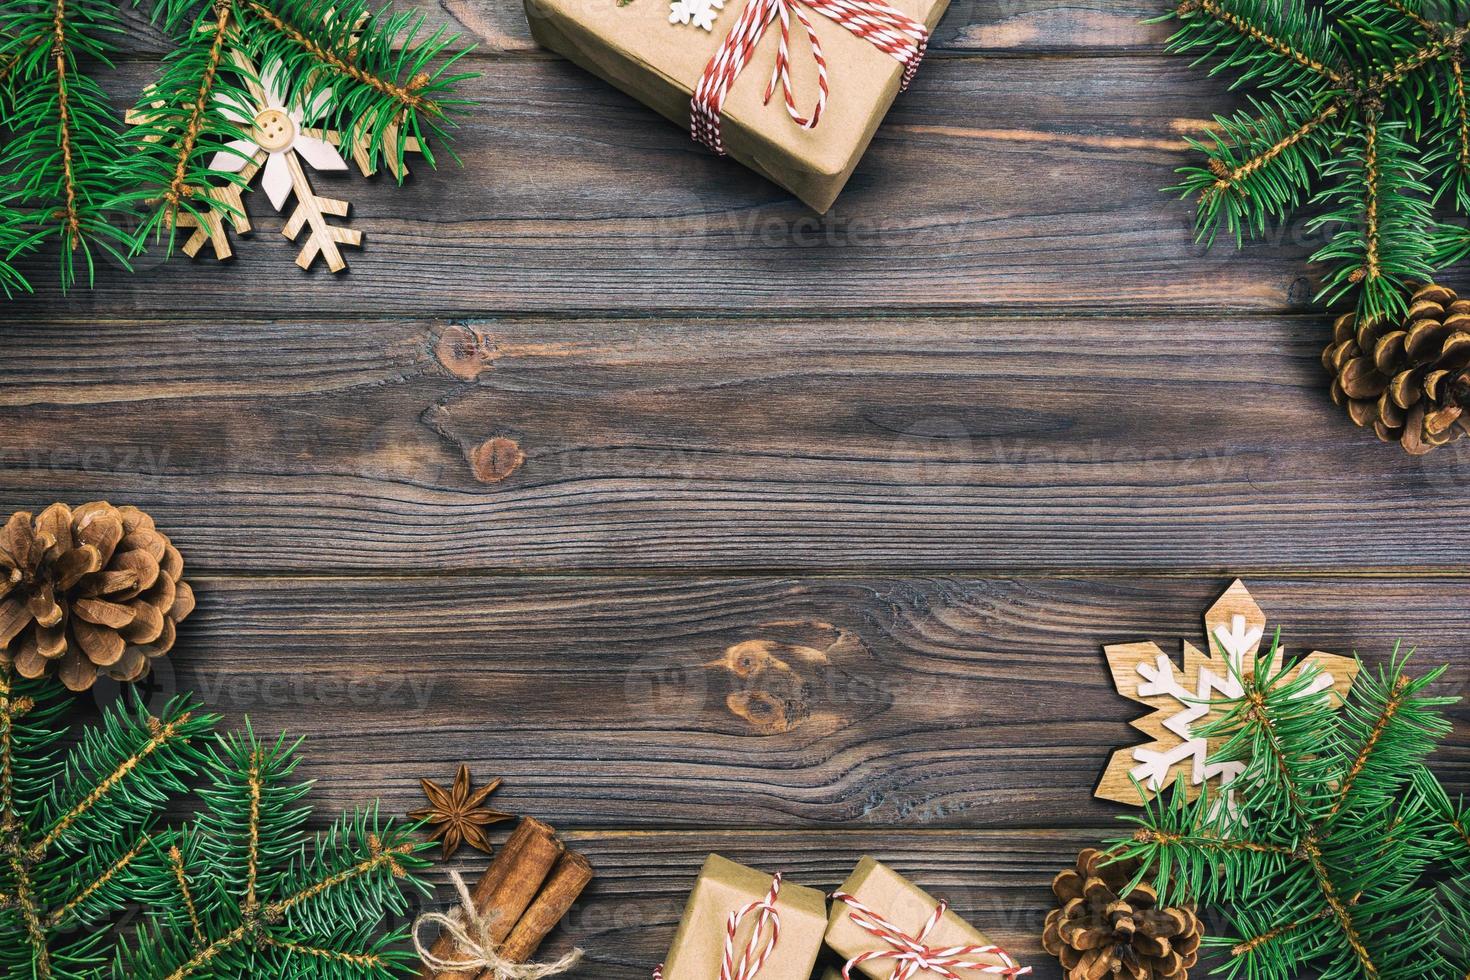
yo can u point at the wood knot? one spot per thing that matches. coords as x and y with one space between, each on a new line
463 352
789 675
772 696
495 459
763 710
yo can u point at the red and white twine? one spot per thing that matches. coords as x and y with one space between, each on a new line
913 957
753 956
886 28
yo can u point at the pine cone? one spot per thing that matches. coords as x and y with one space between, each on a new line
1095 933
89 589
1411 385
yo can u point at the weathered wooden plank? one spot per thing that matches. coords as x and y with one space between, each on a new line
938 444
1012 27
999 881
745 702
995 184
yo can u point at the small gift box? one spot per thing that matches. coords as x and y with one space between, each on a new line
742 923
827 91
887 928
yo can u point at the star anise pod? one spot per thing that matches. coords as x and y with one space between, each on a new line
456 815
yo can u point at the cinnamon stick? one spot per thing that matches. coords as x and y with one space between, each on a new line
505 890
566 882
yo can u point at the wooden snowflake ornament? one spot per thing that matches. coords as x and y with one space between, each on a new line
1234 629
279 141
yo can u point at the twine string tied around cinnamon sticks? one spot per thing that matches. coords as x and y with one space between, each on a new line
475 946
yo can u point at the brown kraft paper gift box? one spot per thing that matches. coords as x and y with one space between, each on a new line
905 905
724 887
636 49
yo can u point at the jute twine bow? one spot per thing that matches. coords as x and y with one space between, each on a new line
471 933
751 961
913 957
888 29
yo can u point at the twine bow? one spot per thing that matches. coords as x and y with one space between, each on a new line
471 933
886 28
751 961
912 956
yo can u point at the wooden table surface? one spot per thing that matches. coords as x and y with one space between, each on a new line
597 408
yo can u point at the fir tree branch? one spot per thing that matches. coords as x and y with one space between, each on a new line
253 928
1370 269
70 218
1390 78
179 186
406 95
1276 45
1383 226
1339 909
207 955
1229 178
1462 114
379 856
1255 711
1403 69
59 914
1249 946
365 960
162 734
1410 15
252 845
176 863
1213 843
1390 708
12 706
30 914
9 64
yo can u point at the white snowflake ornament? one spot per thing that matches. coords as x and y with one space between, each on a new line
280 139
700 13
1181 699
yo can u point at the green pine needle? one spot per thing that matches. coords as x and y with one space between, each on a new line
1363 109
385 82
238 890
75 180
1325 856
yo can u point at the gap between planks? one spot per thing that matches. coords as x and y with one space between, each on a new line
1032 574
1023 314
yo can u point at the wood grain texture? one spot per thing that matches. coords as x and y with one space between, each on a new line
922 443
1021 27
999 881
676 524
745 702
995 183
